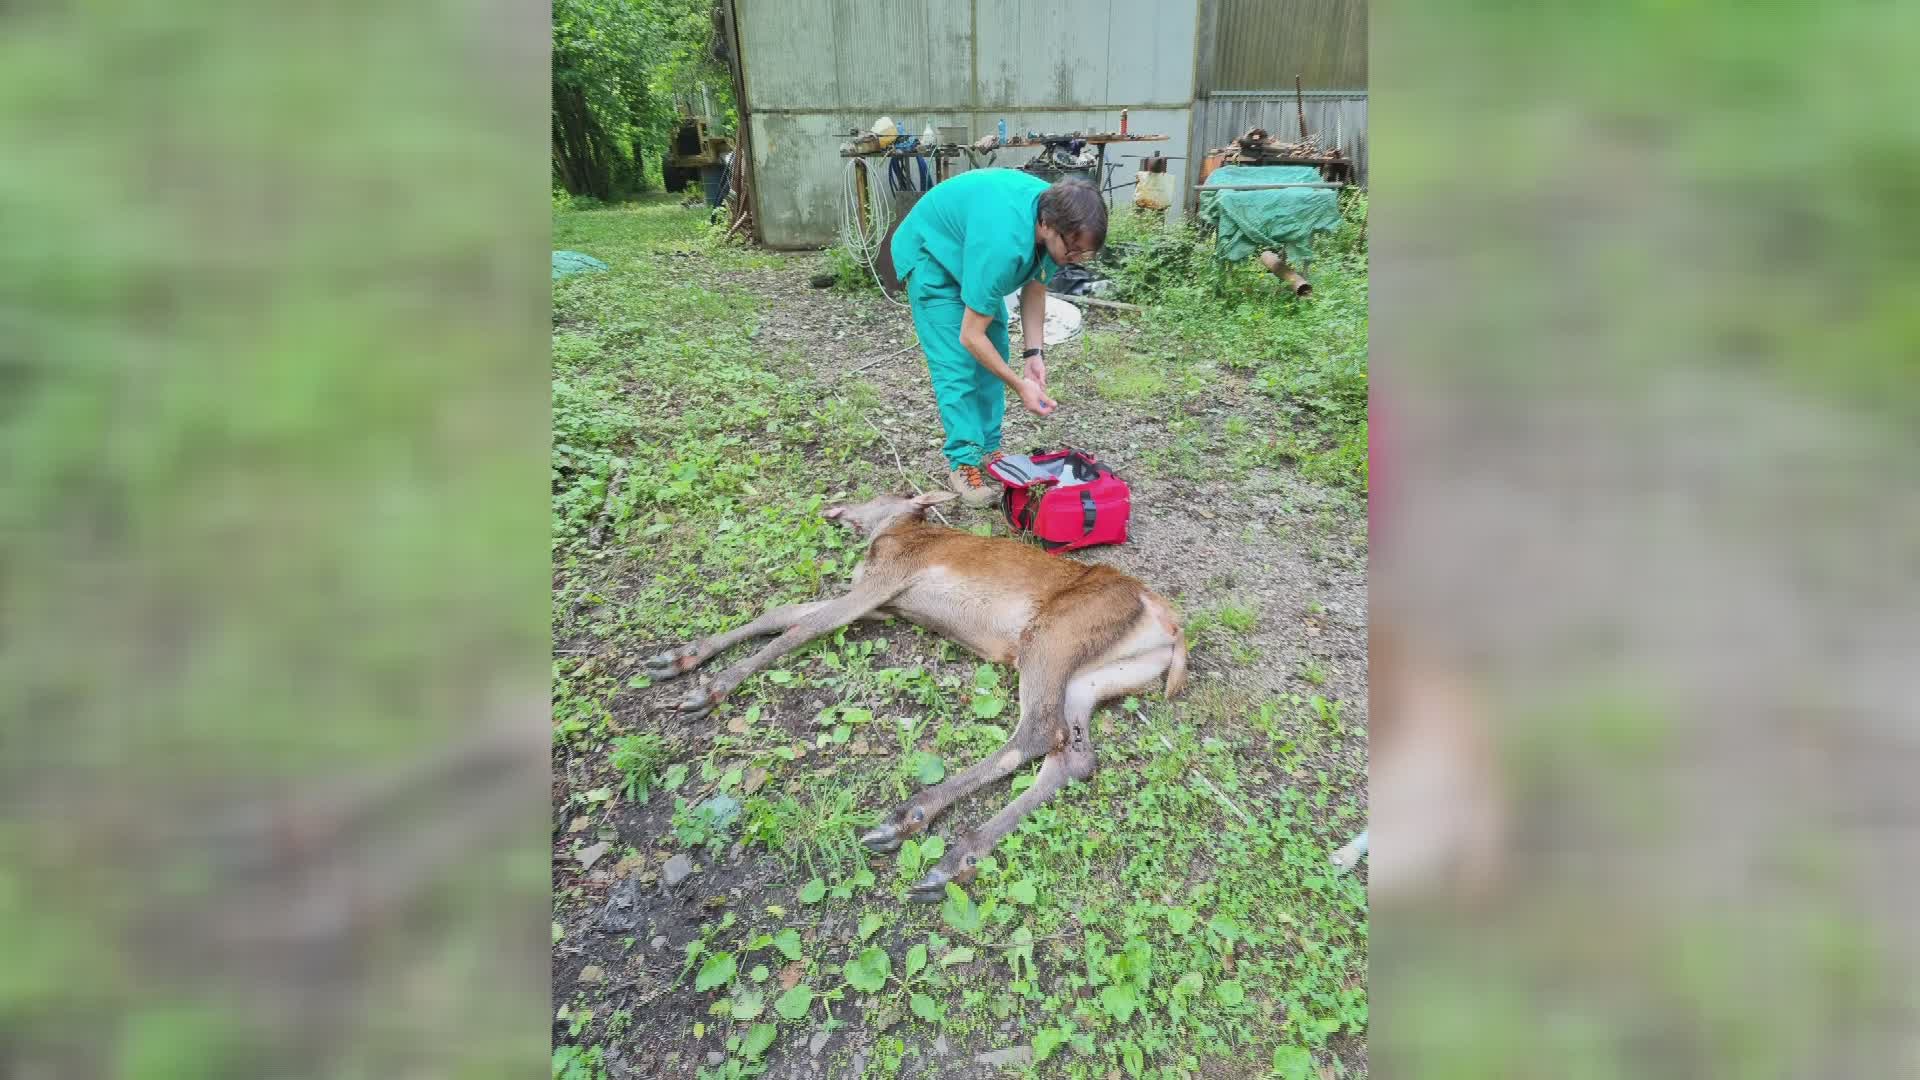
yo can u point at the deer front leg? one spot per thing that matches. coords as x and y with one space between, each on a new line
674 663
962 860
830 615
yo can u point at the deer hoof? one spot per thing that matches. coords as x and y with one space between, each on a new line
697 704
670 664
884 839
932 888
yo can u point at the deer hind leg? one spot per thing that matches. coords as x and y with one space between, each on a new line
674 663
1139 658
1068 755
1033 737
961 861
1101 682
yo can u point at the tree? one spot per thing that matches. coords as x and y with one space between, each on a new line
617 67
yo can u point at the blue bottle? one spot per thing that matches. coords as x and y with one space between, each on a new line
1003 130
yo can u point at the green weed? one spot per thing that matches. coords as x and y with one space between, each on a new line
1171 914
638 759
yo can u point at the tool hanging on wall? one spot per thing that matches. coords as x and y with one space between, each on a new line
900 176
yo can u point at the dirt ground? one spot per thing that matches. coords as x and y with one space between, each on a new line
1258 540
1197 539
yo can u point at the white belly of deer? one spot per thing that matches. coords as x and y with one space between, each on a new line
986 620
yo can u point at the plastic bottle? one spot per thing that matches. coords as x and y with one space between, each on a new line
1003 131
1123 122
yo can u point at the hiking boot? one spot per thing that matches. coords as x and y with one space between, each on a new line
974 489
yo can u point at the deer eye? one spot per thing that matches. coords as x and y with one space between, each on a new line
919 814
969 860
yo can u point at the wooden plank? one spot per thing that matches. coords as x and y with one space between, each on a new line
1094 301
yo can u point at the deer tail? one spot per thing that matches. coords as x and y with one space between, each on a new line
1177 668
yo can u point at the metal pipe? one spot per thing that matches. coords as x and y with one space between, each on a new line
1277 264
1260 187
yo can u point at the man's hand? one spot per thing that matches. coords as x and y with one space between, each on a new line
1037 370
1035 398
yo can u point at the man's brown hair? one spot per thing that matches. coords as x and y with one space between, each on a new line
1073 208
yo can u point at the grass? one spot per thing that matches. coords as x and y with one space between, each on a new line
1307 357
1171 917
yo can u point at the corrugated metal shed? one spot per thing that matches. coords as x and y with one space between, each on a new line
815 68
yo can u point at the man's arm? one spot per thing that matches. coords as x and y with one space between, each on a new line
973 338
1033 328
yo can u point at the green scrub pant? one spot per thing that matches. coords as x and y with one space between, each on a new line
971 399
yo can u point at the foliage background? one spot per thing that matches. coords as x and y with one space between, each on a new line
273 422
619 67
1644 403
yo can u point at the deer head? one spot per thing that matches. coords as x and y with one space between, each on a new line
876 515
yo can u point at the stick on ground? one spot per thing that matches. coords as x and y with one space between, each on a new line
881 359
1217 793
898 464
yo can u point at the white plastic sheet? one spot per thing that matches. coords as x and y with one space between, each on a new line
1063 319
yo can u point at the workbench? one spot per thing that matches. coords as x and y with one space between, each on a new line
943 153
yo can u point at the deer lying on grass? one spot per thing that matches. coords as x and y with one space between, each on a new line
1078 635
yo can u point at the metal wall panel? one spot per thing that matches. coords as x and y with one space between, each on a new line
1085 53
891 55
789 52
879 56
1265 43
797 177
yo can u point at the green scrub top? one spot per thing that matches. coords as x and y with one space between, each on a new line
974 234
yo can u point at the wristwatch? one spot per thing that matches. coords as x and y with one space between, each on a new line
1030 354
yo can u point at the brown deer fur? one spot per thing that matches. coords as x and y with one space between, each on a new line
1078 635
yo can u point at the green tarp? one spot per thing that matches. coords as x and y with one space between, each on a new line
573 262
1283 219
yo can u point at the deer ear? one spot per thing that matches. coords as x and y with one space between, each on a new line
934 498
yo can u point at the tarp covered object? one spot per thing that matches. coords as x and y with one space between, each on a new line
1284 219
573 262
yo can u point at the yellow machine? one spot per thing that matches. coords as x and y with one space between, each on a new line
693 152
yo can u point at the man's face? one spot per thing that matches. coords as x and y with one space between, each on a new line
1066 250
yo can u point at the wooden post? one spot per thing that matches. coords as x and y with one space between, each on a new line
860 196
742 151
1300 106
